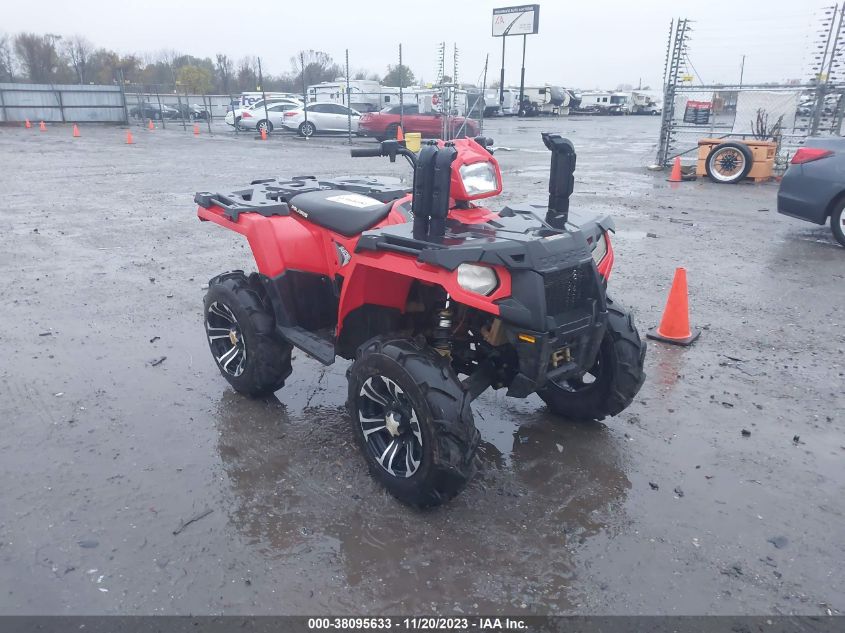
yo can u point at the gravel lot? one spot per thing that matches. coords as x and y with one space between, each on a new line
105 454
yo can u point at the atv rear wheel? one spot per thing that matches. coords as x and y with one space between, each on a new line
610 385
242 337
412 421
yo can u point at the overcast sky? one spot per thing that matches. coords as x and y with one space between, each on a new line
581 44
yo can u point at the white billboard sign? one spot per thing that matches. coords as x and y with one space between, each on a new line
522 20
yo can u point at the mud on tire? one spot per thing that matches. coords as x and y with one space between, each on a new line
425 385
618 374
266 361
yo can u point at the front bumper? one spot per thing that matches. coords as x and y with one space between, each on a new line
567 351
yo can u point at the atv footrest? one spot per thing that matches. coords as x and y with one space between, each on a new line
309 342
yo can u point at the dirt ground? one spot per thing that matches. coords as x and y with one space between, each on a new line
665 509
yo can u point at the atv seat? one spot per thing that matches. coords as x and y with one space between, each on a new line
341 211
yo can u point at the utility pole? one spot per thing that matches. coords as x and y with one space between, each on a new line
741 71
522 76
502 76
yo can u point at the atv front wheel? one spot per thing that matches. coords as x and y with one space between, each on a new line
412 421
837 222
242 337
610 385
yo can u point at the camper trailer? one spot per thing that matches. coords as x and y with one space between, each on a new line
509 107
364 95
544 100
644 103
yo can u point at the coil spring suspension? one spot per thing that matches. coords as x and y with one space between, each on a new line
441 339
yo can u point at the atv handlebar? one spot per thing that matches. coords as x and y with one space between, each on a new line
367 152
391 149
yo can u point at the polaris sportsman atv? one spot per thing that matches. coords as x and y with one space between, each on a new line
433 297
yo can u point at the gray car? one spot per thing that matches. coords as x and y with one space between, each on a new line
813 187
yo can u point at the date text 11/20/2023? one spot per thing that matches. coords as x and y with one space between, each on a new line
417 624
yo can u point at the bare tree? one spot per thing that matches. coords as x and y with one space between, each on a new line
248 73
7 62
78 51
38 56
314 67
225 70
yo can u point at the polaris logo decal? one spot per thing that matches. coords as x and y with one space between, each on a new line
300 211
354 200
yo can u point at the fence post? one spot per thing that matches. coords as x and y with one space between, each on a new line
3 107
207 113
58 94
123 98
348 102
401 90
304 89
158 96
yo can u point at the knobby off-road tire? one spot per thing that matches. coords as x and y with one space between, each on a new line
618 374
408 394
241 334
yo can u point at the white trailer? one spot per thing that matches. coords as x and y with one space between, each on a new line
545 100
364 95
509 107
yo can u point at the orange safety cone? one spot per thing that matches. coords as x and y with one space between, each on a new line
675 176
674 326
151 125
42 126
129 139
27 125
400 135
196 130
263 134
76 133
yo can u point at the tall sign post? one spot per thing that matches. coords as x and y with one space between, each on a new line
522 20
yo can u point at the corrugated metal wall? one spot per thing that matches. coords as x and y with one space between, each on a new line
60 102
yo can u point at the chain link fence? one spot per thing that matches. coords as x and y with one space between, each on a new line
785 114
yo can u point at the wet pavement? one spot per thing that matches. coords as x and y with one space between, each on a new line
106 454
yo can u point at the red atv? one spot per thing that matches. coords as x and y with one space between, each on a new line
433 297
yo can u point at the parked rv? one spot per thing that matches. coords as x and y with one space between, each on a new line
644 103
364 95
544 100
508 107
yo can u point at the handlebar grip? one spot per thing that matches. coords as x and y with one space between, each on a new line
367 152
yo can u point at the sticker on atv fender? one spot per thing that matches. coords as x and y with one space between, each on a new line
355 200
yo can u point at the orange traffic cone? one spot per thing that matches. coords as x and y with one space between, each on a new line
42 126
196 130
151 125
264 134
76 133
400 135
129 139
674 326
675 176
27 125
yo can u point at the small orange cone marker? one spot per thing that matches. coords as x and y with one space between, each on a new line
27 125
196 130
676 170
263 134
674 326
76 133
129 139
151 125
42 126
400 135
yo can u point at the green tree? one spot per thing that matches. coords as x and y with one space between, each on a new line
194 79
399 75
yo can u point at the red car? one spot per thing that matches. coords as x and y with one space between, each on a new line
383 124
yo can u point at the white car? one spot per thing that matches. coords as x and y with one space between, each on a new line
259 119
236 115
322 117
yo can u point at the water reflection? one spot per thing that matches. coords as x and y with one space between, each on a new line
302 495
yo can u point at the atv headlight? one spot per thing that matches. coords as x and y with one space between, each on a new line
600 249
479 178
478 279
